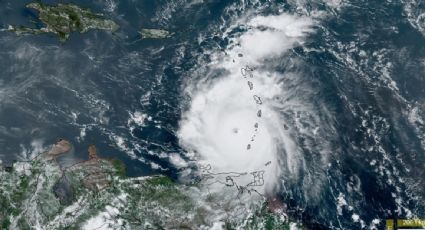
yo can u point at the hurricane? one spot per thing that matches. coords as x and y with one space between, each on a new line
235 122
310 113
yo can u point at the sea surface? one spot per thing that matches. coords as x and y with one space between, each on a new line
352 101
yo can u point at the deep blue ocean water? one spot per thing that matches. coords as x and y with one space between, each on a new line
365 62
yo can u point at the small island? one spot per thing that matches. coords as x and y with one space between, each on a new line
63 19
155 33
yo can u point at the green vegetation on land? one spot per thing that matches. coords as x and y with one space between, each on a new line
40 193
63 19
155 33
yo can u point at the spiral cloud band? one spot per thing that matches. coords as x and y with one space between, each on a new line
233 124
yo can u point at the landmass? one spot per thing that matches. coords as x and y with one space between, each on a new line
155 33
97 194
63 19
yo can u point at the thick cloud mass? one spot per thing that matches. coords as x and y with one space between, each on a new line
233 123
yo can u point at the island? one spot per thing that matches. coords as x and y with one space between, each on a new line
155 33
63 19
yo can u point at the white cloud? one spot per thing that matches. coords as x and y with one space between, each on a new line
221 124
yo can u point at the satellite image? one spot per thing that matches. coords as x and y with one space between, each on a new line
212 114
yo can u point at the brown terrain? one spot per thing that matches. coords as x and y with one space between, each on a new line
275 205
60 147
96 178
